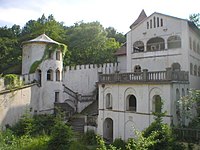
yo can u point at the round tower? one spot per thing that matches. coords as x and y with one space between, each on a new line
42 60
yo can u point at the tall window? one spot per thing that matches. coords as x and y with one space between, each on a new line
131 103
154 22
161 22
191 68
195 70
190 42
56 96
157 104
39 75
50 75
150 23
108 101
158 22
57 75
58 55
147 25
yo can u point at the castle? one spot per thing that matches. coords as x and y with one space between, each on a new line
159 62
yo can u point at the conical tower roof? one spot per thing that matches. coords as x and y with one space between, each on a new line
141 17
42 38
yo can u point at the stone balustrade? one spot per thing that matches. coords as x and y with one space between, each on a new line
145 76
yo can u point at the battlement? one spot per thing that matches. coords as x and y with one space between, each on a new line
104 68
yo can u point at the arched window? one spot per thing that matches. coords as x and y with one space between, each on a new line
194 46
131 103
108 101
155 44
157 104
138 46
58 55
39 75
198 48
147 25
190 42
154 22
183 92
57 75
191 68
177 94
199 71
195 70
150 23
158 21
174 42
176 67
50 75
137 68
161 22
50 55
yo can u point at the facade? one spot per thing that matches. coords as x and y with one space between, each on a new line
159 63
161 52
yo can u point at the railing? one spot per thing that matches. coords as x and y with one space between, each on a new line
145 76
187 134
86 98
70 92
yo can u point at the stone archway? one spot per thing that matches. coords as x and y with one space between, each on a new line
108 129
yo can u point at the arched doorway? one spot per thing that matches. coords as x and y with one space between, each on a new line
108 129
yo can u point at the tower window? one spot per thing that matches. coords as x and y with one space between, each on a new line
57 55
50 75
56 96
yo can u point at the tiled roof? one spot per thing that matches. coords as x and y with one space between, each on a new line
42 38
121 51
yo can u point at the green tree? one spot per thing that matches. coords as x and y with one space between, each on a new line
195 18
112 33
88 43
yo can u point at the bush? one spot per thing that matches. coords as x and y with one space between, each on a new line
89 138
77 146
61 137
119 144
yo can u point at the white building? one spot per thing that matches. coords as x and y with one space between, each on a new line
162 56
160 61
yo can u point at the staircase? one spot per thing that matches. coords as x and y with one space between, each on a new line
77 122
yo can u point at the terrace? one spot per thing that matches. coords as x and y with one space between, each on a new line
145 76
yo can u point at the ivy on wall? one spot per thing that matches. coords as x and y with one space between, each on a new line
50 48
12 81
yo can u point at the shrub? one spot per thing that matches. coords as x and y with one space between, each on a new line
77 146
119 144
89 138
61 137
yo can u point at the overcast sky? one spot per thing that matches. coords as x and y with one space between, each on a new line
119 14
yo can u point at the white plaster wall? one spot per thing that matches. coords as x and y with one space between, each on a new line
14 104
82 79
122 63
123 120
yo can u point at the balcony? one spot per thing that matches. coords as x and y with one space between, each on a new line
145 76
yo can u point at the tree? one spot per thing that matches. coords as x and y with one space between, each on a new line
196 19
88 43
112 33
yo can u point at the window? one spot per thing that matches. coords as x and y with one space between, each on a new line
190 42
157 104
199 71
161 22
176 67
174 42
183 92
108 101
195 70
57 75
39 76
147 25
137 68
50 75
156 43
194 46
131 103
154 22
150 23
198 48
191 68
138 46
57 55
50 55
56 96
158 22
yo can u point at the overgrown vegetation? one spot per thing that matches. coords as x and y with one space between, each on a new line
12 81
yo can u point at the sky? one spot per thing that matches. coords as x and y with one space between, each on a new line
119 14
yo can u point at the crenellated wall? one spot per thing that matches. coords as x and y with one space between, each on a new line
83 78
